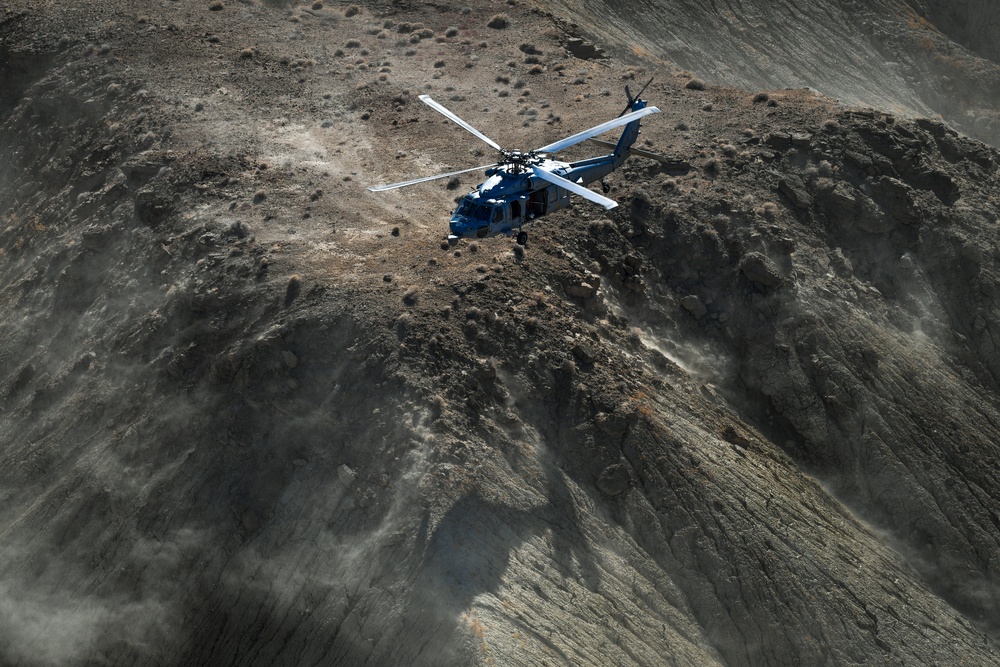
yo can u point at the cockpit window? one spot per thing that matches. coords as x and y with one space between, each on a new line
465 207
482 213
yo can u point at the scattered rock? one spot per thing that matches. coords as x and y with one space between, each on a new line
761 270
612 424
795 189
582 49
693 305
613 480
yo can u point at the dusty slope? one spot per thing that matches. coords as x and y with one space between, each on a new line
883 53
974 24
256 415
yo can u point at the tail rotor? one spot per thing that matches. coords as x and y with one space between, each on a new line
632 98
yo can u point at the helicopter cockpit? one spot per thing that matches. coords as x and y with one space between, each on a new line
473 210
474 217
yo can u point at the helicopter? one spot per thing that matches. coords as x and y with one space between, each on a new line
524 185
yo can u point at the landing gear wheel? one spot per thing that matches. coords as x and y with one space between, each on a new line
522 238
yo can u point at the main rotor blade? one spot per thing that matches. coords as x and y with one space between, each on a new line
393 186
426 99
575 188
597 129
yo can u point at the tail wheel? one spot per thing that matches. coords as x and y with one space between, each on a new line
522 238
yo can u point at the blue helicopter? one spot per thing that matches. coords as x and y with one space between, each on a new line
522 186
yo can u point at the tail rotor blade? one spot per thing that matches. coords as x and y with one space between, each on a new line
631 99
450 115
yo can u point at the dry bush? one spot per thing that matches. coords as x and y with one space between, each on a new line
695 84
410 296
498 22
216 6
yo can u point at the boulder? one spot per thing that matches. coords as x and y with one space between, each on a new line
613 480
693 305
795 189
761 270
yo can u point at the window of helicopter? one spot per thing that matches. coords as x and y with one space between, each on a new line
465 207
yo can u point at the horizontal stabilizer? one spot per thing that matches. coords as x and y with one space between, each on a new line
637 151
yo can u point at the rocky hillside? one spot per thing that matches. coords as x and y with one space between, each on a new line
898 56
253 414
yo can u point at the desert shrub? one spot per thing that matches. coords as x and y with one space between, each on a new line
353 10
498 22
760 97
695 84
216 6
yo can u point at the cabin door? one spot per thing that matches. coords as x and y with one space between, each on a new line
538 203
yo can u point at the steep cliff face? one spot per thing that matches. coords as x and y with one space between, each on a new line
882 54
252 414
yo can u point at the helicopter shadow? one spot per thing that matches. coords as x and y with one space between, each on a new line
470 550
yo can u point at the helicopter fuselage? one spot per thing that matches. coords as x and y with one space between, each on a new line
512 196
